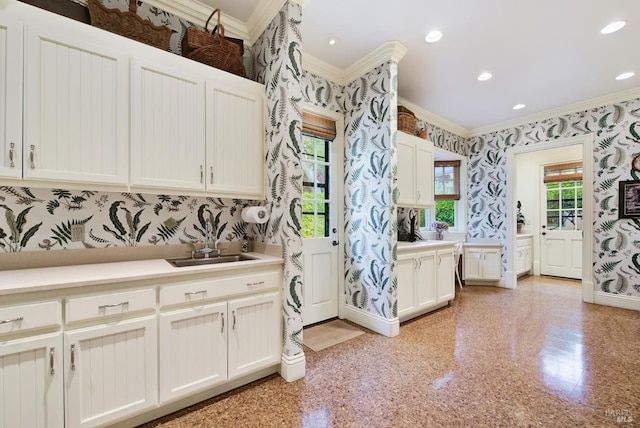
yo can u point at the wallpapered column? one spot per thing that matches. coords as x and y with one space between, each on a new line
370 199
616 131
279 68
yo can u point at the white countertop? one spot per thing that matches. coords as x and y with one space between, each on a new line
403 245
51 278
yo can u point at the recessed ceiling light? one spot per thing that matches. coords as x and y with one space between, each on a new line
519 106
433 36
626 75
613 27
484 76
333 41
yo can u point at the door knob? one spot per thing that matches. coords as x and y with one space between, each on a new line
544 233
335 243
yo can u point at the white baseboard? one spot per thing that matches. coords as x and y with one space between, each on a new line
292 368
617 300
383 326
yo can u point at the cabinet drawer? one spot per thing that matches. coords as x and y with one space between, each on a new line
15 319
218 288
106 305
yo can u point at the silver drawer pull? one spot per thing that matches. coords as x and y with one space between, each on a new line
222 318
12 150
191 293
211 175
115 305
11 320
255 284
234 319
32 154
73 356
51 370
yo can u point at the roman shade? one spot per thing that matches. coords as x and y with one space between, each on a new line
318 126
447 179
571 171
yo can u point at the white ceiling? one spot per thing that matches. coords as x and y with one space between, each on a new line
544 53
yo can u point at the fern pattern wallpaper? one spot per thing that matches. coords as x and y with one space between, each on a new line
370 199
323 93
278 66
616 131
41 219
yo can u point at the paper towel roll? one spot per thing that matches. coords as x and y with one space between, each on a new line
255 215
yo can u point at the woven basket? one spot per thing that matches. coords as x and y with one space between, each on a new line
129 24
195 38
406 120
213 48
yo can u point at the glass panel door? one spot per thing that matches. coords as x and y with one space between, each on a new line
564 205
316 193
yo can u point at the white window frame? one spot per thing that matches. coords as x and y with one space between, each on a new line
460 204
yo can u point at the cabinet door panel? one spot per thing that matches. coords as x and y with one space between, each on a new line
492 264
167 125
406 268
472 263
424 175
445 275
10 99
235 140
406 173
426 279
75 94
254 333
30 392
193 349
111 371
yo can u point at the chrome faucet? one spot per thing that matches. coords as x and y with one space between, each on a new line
206 250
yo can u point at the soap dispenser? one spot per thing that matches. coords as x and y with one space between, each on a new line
245 244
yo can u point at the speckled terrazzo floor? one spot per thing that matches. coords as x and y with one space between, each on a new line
535 356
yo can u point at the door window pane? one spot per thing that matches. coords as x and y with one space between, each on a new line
564 205
315 196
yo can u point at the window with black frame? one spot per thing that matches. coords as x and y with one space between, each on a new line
318 134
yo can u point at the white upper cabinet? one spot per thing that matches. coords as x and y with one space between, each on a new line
415 172
406 172
235 137
10 98
76 104
167 124
424 174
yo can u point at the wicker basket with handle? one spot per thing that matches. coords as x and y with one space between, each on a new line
213 49
129 24
406 120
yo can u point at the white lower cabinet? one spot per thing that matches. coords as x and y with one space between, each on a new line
193 349
445 275
124 352
31 382
425 281
482 263
524 252
254 333
110 371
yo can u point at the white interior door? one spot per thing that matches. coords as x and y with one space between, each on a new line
561 240
319 230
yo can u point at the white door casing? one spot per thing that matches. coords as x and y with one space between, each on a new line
586 141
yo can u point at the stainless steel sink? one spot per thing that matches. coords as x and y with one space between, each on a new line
184 262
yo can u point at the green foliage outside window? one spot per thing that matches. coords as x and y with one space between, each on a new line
445 211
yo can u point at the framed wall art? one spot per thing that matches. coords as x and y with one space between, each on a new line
629 197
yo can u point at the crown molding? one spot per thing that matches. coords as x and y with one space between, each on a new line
320 68
197 13
262 16
388 51
560 111
434 119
